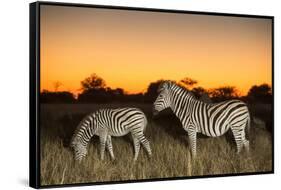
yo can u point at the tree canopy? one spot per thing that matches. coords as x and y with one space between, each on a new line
260 93
188 82
223 93
92 82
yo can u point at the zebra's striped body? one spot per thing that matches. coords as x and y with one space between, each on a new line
110 122
211 119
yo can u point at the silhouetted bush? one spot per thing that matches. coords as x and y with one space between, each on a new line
223 93
94 90
261 93
56 97
187 82
199 92
94 95
151 93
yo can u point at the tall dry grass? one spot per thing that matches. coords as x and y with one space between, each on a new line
169 144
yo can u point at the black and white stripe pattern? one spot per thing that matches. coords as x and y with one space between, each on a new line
211 119
110 122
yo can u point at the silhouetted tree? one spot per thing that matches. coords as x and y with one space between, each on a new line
94 90
118 92
188 82
92 82
223 93
57 84
260 100
151 93
199 91
261 93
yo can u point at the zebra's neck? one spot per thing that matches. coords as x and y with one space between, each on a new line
181 101
85 133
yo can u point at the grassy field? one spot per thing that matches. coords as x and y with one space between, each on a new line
169 144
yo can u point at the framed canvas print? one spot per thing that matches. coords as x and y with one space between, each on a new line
121 94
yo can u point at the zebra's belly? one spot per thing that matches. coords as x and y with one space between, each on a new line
208 134
118 133
213 131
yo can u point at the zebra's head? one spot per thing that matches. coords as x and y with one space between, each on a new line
163 99
80 151
81 137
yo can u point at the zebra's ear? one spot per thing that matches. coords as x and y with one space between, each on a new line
164 85
167 84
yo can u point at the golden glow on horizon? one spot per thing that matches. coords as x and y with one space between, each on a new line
130 49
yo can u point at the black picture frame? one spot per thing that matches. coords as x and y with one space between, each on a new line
34 91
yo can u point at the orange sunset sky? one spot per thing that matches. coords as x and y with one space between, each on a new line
130 49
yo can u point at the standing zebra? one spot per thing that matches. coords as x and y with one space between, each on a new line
211 119
110 122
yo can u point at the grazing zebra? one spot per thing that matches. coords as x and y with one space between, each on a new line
110 122
211 119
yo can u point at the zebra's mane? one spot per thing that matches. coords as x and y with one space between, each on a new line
186 91
169 85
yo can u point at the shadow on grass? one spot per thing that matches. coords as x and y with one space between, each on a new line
172 126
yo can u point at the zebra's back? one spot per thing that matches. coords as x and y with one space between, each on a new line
120 121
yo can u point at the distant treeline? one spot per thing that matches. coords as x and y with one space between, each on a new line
94 90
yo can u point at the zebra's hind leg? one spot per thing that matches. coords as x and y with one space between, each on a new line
110 147
146 145
239 136
247 146
136 147
102 146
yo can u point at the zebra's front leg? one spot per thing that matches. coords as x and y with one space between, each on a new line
102 145
110 147
192 135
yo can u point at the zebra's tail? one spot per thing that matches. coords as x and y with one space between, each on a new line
144 123
248 126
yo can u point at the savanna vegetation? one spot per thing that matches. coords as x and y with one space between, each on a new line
61 112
